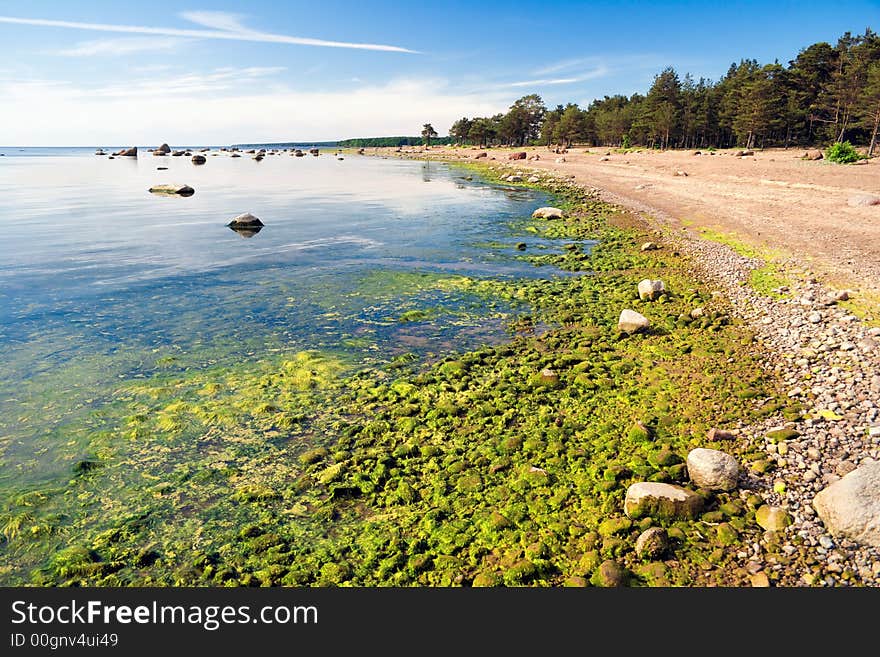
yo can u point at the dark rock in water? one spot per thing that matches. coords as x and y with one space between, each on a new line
86 465
235 155
173 190
161 168
246 231
299 153
199 159
258 157
521 246
177 153
164 149
251 151
111 158
245 220
127 152
313 151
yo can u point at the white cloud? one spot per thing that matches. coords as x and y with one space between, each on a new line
598 72
231 29
60 114
121 46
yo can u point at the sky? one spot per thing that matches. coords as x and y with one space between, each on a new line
209 72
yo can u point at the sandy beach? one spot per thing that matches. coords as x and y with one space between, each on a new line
774 199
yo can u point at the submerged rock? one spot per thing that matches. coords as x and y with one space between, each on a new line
173 190
712 469
547 213
850 507
632 322
647 498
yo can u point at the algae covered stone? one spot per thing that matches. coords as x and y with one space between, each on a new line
632 322
772 518
712 469
660 500
610 574
652 543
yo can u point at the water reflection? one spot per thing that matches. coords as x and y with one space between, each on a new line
246 231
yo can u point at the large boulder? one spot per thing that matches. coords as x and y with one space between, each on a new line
813 155
651 290
517 156
658 500
199 159
712 469
547 213
850 506
164 149
632 322
172 190
246 219
127 152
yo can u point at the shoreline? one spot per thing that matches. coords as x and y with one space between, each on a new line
831 365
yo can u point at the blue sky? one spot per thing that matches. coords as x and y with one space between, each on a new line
90 73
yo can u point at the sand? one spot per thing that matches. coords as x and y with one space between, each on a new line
775 200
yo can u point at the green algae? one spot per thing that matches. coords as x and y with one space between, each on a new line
473 470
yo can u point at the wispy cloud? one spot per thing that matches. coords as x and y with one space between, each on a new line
120 46
597 72
607 62
230 28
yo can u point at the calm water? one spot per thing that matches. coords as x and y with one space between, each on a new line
100 280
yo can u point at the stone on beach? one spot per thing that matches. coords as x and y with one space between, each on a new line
863 200
632 322
651 290
772 518
649 246
850 507
712 469
199 159
164 149
246 219
658 500
812 155
547 213
172 190
517 156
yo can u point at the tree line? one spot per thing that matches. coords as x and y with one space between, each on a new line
374 142
826 94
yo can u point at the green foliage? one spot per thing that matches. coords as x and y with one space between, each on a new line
842 153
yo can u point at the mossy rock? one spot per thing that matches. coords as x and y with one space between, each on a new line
313 455
639 433
520 573
762 466
713 517
664 457
779 435
487 579
725 534
772 518
610 574
612 526
332 473
575 581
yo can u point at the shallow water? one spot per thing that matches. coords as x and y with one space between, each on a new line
102 282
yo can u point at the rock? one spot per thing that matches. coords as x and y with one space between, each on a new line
609 574
649 246
177 153
258 157
772 518
812 155
514 179
199 159
235 155
760 580
246 219
696 313
533 179
521 246
862 200
560 160
547 213
652 543
632 322
549 376
161 168
127 152
778 435
719 434
850 507
659 500
814 318
480 155
712 469
651 290
521 155
173 190
744 153
681 173
314 151
164 149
